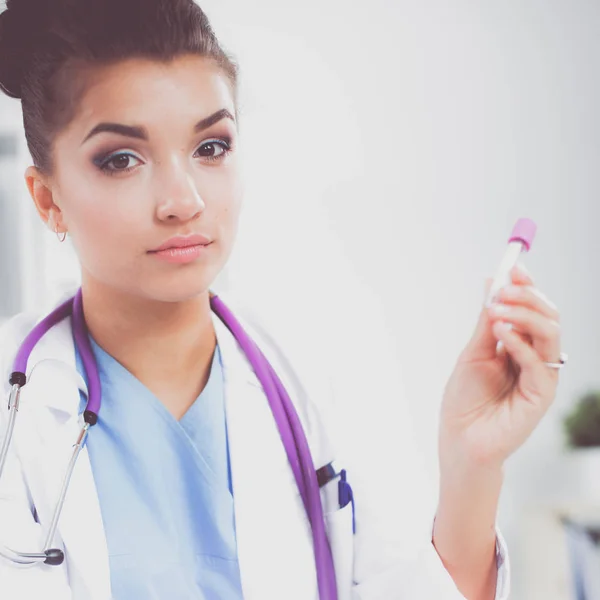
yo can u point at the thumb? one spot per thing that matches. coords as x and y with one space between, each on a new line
483 344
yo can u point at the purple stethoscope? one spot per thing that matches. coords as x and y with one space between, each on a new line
284 413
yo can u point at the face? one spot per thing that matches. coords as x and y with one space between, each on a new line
149 161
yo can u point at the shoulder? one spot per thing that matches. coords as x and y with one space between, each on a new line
298 355
298 348
14 331
12 334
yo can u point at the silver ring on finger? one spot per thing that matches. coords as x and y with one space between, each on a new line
564 358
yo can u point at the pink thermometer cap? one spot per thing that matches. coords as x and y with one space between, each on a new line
524 232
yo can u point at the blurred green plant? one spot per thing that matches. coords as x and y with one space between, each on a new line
582 424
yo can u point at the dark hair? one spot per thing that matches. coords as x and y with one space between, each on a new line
44 44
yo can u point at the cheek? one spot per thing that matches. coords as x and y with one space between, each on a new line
228 219
229 195
97 218
99 223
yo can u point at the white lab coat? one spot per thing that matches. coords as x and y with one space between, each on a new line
274 544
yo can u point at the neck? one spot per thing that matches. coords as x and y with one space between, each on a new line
164 344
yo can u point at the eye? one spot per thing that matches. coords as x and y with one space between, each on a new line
118 163
213 150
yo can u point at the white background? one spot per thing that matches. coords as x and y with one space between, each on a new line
389 148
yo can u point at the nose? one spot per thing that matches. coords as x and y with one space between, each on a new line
178 198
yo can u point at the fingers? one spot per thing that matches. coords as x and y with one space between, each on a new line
520 275
520 351
533 317
530 297
543 331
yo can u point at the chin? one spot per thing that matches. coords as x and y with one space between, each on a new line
181 287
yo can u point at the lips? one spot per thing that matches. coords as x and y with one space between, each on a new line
184 242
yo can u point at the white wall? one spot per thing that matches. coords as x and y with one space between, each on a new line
389 148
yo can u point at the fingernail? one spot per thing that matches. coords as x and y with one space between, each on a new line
500 309
544 298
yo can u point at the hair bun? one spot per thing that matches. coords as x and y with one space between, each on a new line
22 25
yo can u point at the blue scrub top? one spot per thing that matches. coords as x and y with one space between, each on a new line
164 488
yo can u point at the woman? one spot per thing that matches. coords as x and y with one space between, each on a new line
183 488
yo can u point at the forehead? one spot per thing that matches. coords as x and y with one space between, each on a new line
147 91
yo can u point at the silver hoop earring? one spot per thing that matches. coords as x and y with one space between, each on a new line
64 235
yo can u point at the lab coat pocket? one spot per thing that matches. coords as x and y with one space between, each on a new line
341 539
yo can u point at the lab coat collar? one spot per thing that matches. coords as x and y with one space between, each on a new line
235 364
273 533
53 360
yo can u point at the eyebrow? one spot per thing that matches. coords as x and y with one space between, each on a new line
141 133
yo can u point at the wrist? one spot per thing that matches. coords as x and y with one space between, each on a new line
458 459
468 474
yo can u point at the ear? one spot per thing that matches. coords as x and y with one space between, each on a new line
40 191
